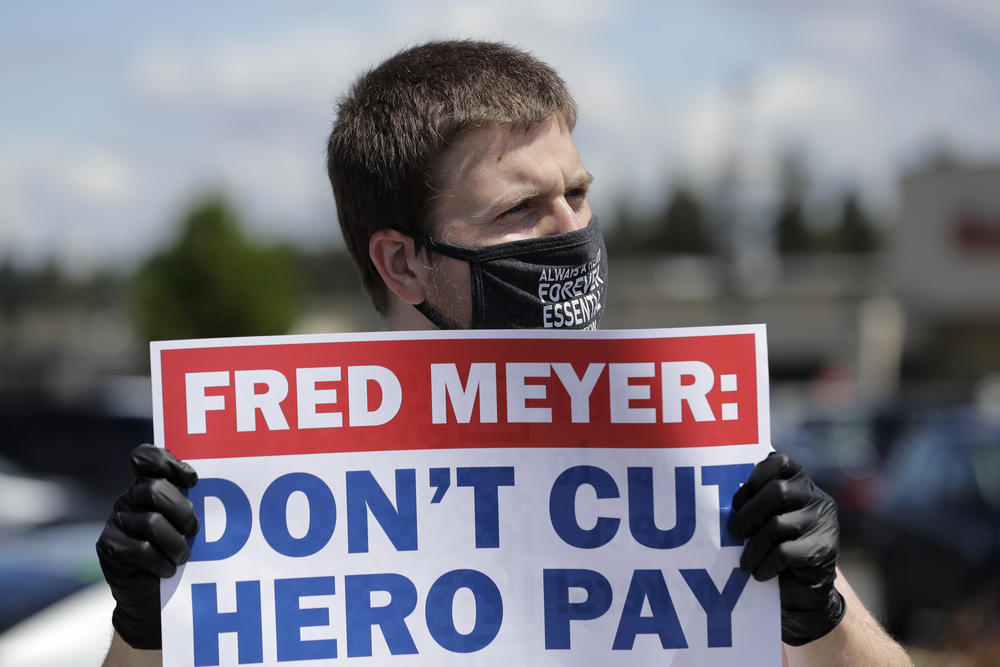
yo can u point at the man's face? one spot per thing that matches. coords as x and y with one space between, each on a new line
503 185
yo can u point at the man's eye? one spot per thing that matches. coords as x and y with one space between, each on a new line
514 209
576 193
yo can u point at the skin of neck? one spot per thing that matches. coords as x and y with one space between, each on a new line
401 316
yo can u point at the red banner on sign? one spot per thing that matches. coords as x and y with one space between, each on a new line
445 393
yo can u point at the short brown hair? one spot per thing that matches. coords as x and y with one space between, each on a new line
399 118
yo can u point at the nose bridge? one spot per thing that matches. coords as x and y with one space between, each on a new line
562 217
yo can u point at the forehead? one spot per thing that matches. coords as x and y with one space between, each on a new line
496 166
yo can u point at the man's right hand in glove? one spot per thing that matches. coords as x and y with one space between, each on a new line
146 539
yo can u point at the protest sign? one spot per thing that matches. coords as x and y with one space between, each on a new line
467 498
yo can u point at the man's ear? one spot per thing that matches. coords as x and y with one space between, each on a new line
395 257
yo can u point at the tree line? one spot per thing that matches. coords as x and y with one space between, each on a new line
688 223
216 280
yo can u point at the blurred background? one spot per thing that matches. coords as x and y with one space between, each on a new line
831 169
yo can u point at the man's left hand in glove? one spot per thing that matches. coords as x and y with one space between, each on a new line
792 533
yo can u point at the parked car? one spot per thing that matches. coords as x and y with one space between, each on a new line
936 524
72 632
29 500
843 453
43 565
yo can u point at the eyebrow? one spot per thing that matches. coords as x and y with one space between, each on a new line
523 192
581 179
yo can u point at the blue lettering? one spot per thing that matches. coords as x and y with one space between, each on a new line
728 478
290 618
239 518
641 520
274 514
209 623
486 483
391 618
440 605
649 585
440 479
718 606
562 507
400 525
559 611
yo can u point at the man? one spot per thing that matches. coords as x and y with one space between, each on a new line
457 183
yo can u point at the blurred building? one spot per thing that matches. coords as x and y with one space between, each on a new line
946 267
924 310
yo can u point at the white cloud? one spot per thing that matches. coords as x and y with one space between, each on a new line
557 18
860 87
295 75
71 202
291 68
99 175
843 92
797 98
984 16
309 62
852 33
281 187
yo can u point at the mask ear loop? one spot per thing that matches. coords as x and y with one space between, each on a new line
475 257
435 316
442 248
425 308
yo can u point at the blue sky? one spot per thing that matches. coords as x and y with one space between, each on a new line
114 116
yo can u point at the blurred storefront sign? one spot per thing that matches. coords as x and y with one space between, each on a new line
947 251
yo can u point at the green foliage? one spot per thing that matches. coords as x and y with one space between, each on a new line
216 282
685 222
48 287
852 232
855 231
628 236
681 228
793 231
792 236
678 226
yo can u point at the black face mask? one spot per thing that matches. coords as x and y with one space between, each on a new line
551 282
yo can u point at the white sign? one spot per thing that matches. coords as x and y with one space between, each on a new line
467 498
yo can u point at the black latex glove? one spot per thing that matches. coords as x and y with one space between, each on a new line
792 532
145 539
